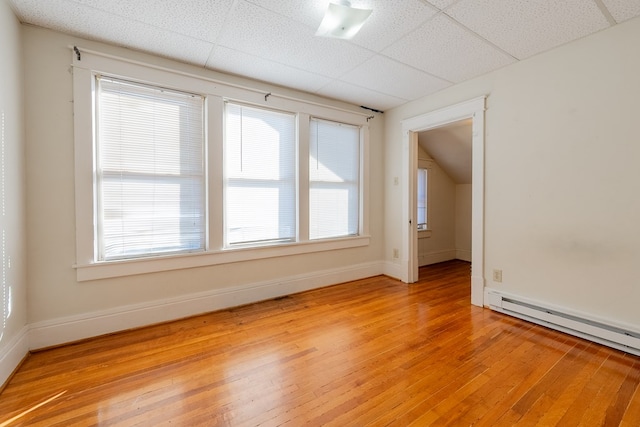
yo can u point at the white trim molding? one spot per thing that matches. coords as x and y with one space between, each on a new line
434 257
464 255
393 270
215 94
13 353
474 109
103 270
73 328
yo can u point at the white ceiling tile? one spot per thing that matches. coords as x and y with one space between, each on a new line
264 34
393 78
309 12
442 4
360 96
621 10
443 48
161 42
234 62
274 40
85 21
201 19
388 22
525 27
54 14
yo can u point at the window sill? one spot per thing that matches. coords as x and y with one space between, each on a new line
423 234
108 269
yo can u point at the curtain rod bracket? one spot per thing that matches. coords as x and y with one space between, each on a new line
372 109
77 51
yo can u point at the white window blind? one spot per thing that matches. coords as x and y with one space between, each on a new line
259 175
334 185
150 170
422 199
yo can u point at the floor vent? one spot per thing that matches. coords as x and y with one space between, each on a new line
617 337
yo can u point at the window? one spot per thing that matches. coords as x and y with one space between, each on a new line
175 170
334 158
149 170
423 174
259 176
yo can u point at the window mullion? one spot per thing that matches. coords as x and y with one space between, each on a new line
215 156
303 177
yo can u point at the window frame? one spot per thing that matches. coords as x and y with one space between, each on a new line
336 184
105 173
215 94
228 244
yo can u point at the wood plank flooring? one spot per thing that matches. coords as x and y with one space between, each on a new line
373 352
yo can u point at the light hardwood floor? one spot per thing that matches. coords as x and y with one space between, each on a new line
371 352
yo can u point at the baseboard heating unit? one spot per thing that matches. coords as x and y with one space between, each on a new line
615 336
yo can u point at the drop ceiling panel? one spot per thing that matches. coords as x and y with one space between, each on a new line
524 27
360 96
274 40
623 9
63 15
308 13
88 22
234 62
201 19
441 4
390 21
443 48
394 78
164 43
270 36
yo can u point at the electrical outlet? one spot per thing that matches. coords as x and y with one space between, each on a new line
497 275
396 253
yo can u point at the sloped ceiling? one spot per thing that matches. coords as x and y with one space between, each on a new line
406 50
450 147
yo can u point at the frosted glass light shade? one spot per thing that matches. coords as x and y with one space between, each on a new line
342 21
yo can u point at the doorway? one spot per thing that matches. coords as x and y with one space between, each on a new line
444 193
474 110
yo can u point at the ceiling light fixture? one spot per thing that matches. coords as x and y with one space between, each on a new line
342 21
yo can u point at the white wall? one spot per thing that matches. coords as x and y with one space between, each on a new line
463 222
562 182
58 304
13 283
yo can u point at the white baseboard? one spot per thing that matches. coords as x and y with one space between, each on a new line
463 255
394 270
12 354
436 257
73 328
